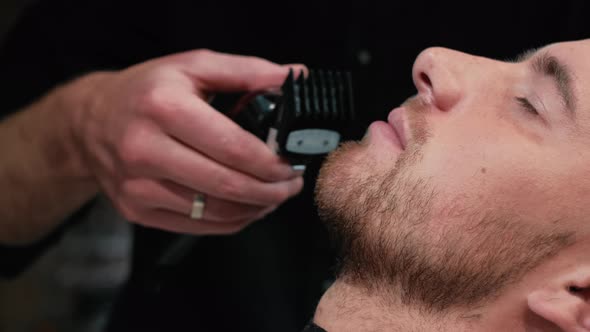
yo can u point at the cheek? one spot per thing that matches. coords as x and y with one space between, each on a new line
475 171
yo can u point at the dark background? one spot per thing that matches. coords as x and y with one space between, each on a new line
9 12
269 277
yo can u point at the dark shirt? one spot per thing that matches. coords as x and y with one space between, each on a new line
269 277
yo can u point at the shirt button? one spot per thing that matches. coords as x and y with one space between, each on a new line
364 57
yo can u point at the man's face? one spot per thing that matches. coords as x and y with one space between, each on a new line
472 183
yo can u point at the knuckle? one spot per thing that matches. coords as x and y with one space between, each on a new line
133 190
148 99
237 151
231 188
198 56
204 52
282 194
158 103
133 148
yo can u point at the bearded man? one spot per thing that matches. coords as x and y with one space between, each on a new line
468 210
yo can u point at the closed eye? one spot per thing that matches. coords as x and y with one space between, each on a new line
526 105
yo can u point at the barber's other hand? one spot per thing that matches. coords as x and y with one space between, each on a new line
152 142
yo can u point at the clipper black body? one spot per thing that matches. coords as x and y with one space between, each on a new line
306 118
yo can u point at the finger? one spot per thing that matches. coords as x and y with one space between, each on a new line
297 69
266 211
198 125
165 195
213 71
166 158
178 223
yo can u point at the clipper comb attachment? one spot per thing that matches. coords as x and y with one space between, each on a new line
303 120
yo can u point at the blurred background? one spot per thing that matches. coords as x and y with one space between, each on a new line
9 11
72 286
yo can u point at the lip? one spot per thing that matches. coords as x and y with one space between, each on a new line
397 120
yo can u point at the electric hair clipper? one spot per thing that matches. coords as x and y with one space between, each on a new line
305 119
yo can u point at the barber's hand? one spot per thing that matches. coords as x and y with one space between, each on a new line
152 141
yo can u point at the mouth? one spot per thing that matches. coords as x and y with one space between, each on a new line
397 121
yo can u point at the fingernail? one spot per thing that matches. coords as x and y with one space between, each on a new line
298 169
297 68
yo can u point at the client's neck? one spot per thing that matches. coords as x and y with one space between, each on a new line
347 308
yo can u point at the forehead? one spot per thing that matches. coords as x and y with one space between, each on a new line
575 55
570 46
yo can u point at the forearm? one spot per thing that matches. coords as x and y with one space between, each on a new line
43 178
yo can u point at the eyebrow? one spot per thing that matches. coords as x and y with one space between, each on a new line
552 67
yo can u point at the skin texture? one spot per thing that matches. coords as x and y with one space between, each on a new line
478 219
147 138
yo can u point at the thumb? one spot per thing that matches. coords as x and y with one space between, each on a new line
212 71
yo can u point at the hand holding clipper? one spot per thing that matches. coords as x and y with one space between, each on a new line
305 119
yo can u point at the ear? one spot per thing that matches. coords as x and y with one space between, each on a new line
565 302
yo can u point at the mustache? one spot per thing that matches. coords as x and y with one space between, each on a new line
416 103
416 108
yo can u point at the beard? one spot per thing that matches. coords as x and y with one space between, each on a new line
383 221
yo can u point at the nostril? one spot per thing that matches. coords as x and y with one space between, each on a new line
425 79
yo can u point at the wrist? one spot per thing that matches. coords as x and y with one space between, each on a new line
77 100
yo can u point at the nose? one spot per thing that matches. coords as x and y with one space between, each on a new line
437 74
